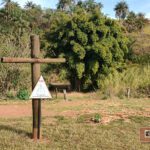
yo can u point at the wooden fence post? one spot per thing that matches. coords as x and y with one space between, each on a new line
36 103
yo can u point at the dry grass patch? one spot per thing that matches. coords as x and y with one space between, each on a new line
70 125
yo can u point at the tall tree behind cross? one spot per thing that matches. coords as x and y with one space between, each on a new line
35 70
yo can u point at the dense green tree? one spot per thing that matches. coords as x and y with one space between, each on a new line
34 15
12 19
10 9
92 44
121 10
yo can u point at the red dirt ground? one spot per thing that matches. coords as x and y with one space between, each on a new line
15 111
25 110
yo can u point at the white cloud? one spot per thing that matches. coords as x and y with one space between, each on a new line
147 15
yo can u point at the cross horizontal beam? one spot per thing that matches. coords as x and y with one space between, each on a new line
32 60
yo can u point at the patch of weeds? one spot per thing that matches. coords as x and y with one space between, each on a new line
80 119
96 118
121 94
84 118
23 94
60 118
105 97
10 94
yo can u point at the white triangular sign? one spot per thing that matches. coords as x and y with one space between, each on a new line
40 91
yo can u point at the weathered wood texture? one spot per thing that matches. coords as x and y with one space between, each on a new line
62 86
36 104
56 86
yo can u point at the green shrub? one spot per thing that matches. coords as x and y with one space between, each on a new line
92 45
23 94
96 118
10 94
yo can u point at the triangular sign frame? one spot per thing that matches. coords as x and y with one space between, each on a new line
40 91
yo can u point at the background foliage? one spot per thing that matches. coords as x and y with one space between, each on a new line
96 47
92 44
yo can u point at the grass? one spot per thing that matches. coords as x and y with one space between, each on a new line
78 132
135 77
73 135
142 44
147 30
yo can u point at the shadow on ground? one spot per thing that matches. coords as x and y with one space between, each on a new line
18 131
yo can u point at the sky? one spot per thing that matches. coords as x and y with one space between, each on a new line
108 9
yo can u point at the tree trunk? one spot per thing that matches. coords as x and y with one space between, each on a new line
77 84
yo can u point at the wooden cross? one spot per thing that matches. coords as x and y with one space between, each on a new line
35 70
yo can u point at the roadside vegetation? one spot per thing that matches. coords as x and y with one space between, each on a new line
103 54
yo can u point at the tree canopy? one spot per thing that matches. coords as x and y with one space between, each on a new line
92 44
121 9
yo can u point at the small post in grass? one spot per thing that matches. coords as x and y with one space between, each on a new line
65 94
128 92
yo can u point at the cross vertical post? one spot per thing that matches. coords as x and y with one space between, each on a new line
36 103
35 62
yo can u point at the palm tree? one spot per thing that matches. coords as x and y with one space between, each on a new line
30 5
141 15
5 2
89 5
92 4
64 4
121 10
